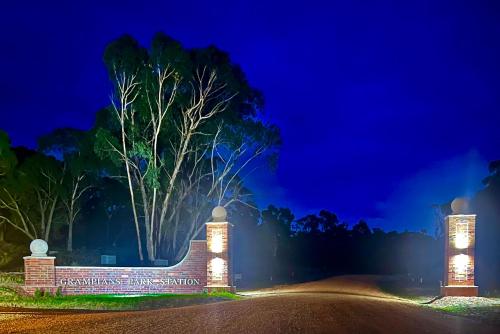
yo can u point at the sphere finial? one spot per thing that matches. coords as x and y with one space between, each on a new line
460 205
219 214
39 248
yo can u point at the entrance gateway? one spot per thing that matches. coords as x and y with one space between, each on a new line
206 267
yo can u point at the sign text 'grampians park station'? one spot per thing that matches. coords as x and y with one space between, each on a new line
206 267
129 281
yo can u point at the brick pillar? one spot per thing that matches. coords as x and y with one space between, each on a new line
219 266
39 269
460 239
39 273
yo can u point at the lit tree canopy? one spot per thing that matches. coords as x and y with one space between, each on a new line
183 129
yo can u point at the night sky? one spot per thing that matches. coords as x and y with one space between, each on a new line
385 108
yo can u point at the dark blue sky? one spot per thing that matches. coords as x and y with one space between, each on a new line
385 108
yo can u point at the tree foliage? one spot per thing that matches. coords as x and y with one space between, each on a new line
184 128
30 192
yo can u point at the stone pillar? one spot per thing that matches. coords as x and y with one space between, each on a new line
460 238
39 269
219 266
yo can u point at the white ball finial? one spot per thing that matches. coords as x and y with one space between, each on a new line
219 214
460 205
39 248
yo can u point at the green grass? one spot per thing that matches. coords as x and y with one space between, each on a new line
466 310
487 314
8 279
457 309
10 298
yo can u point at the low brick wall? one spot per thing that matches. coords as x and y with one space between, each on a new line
188 276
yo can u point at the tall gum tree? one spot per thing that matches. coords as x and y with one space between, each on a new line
184 127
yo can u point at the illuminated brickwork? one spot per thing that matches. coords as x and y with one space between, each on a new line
39 273
219 266
188 276
460 235
206 267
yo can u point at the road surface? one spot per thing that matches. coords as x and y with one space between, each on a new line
338 305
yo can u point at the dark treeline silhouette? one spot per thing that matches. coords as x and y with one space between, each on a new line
274 247
282 249
486 204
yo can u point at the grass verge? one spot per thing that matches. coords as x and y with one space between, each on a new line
420 295
11 298
488 314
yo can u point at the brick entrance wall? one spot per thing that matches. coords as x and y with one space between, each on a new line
202 269
188 276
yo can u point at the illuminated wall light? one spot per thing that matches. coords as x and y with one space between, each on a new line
460 266
218 267
462 236
216 245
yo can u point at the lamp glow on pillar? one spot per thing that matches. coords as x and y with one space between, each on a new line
216 242
462 235
460 266
218 267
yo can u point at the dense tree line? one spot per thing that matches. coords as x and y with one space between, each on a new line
320 245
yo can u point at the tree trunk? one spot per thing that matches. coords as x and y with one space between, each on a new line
131 192
147 224
170 189
176 226
50 218
69 247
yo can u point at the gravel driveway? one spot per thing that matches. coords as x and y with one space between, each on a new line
345 305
